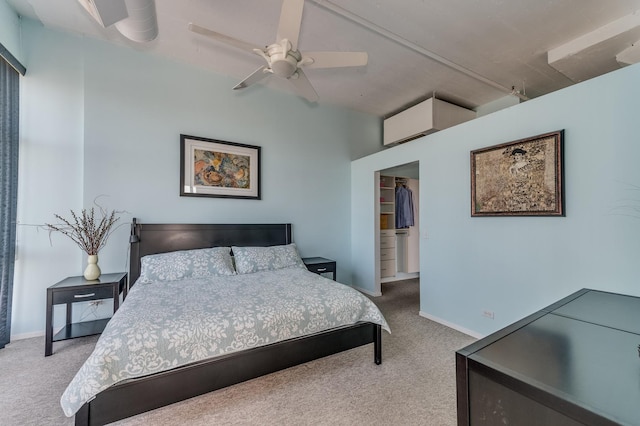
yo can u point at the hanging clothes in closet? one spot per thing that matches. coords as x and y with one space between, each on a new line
404 207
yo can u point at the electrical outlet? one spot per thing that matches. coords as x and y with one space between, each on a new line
488 314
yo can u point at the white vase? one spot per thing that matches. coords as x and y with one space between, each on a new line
93 270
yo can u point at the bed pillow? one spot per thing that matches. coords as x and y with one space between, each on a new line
176 265
256 259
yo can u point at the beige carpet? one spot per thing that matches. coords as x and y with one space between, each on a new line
415 385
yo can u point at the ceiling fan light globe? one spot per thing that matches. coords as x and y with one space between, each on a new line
283 68
283 65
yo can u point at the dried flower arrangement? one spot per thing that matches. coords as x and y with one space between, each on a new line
89 234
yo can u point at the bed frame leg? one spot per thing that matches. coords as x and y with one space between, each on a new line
377 344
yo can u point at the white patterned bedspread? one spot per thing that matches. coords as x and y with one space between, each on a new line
163 325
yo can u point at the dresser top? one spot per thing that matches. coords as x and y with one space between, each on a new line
584 351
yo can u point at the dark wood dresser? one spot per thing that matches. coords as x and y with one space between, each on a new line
575 362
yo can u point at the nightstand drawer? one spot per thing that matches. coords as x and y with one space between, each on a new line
320 268
79 295
320 265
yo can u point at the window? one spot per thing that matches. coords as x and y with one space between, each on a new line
10 70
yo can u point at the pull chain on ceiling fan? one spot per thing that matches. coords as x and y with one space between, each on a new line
283 57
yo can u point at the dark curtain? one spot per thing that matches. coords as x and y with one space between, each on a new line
9 100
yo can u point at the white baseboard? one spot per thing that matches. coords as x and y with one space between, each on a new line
370 293
22 336
451 325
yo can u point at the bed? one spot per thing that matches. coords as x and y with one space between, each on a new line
146 391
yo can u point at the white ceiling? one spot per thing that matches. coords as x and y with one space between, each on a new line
470 52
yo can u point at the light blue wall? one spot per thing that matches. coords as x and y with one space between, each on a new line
104 120
514 266
50 169
10 30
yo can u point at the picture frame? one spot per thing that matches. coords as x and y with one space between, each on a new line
520 178
216 168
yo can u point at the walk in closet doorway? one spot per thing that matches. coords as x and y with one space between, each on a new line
397 224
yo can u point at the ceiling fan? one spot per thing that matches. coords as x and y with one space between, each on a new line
283 57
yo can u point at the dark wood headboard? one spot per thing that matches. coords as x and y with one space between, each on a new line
153 238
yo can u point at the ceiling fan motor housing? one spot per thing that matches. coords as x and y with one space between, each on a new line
284 62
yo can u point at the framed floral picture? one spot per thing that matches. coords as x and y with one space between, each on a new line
215 168
520 178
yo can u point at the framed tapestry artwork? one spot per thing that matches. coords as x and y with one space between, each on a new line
214 168
520 178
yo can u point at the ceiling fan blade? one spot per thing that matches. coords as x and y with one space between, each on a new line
254 77
334 59
224 38
290 19
303 86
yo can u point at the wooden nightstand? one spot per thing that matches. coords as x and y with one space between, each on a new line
320 265
76 289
